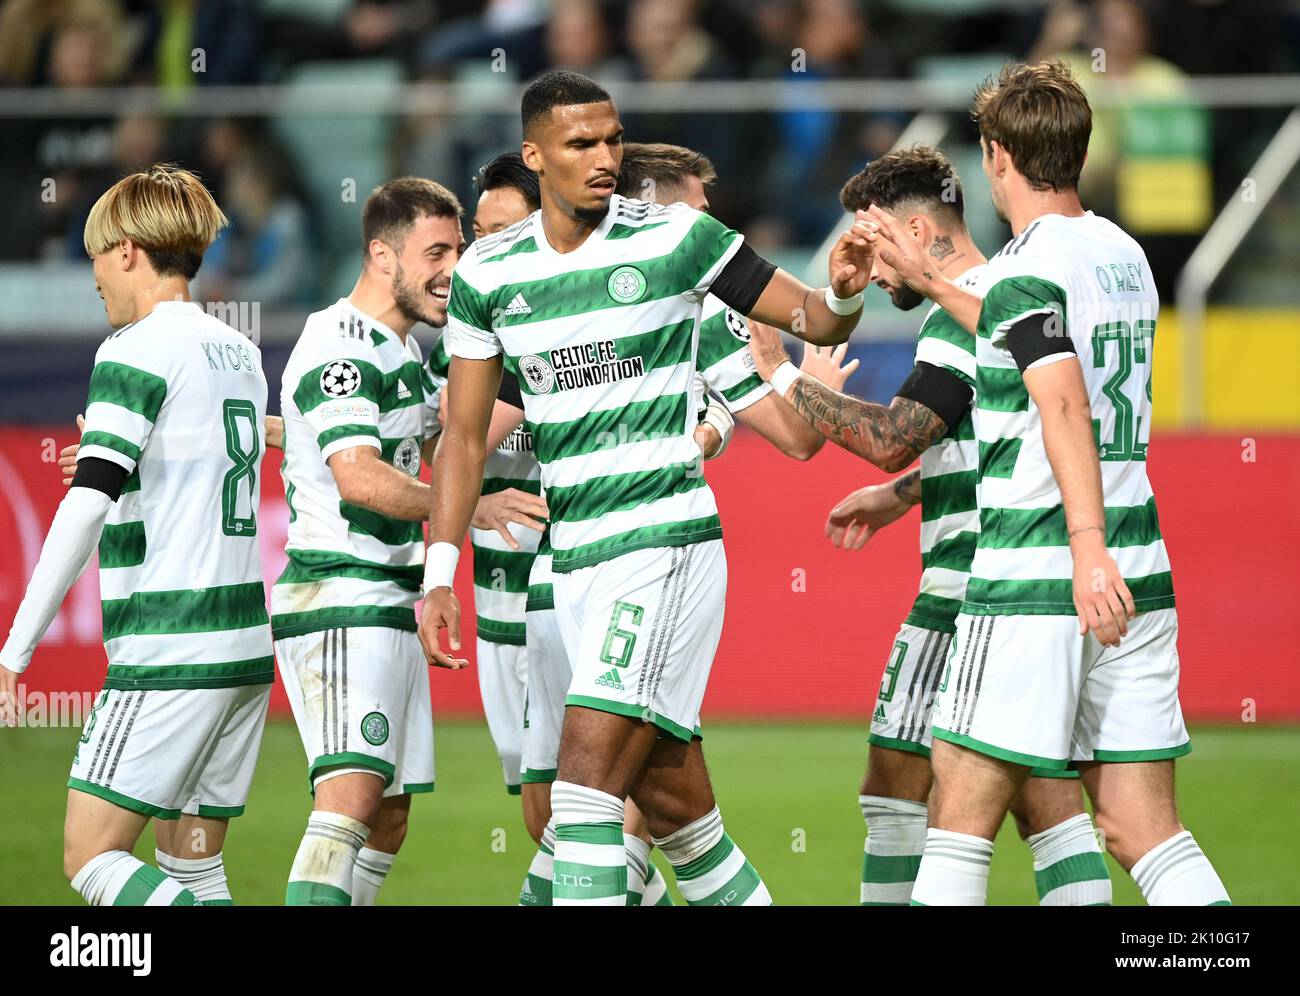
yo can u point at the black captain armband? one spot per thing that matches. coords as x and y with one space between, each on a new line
100 475
509 391
743 280
1035 337
940 390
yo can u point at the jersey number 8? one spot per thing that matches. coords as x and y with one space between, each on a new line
234 412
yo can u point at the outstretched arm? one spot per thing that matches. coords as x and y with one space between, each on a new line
868 510
457 481
890 437
825 316
773 418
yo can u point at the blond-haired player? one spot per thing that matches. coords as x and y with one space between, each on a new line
166 487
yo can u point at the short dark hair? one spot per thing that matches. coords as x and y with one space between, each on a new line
662 164
508 170
558 88
920 176
394 207
1040 115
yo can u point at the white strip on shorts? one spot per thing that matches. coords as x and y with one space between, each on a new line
549 677
1031 690
360 697
901 719
642 630
502 685
168 752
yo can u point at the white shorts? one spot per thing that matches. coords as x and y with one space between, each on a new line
1030 690
502 681
549 677
901 719
360 697
642 630
168 752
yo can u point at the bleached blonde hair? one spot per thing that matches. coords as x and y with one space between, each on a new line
166 211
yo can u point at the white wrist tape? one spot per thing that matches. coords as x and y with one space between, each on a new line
440 565
843 305
720 417
786 374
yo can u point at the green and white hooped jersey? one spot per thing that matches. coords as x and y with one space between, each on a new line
179 400
604 342
724 359
1093 280
500 573
350 381
949 516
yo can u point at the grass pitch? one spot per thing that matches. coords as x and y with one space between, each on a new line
788 793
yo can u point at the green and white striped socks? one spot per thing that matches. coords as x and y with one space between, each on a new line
954 870
590 856
711 870
1069 869
892 850
656 889
638 868
1177 873
205 878
116 878
323 867
537 886
368 875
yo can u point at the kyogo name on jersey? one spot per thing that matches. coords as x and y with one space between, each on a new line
578 366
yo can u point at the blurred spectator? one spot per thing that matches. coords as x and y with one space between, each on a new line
265 255
818 147
1149 157
199 43
365 29
505 36
668 45
579 36
70 46
65 43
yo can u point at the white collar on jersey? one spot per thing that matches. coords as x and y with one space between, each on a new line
593 240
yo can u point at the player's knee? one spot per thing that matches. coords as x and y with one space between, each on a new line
1116 838
1023 827
74 859
535 822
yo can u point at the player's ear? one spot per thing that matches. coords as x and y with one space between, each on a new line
532 156
919 227
999 156
377 254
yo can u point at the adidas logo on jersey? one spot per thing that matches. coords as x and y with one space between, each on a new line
518 306
403 392
610 680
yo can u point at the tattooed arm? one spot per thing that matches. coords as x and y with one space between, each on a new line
908 487
890 437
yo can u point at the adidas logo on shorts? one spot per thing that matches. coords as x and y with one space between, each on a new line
610 680
518 306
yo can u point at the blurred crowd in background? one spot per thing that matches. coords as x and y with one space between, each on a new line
785 166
